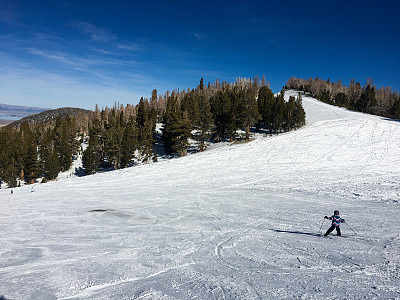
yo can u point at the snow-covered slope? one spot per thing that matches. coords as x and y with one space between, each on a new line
235 222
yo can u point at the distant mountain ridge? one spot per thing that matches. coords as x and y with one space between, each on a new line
8 111
51 115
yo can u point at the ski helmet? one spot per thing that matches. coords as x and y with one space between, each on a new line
336 212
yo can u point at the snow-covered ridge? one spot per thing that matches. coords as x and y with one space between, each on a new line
234 222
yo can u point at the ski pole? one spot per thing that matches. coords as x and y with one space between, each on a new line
350 228
321 226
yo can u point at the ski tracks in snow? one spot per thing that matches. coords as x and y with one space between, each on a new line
219 246
93 290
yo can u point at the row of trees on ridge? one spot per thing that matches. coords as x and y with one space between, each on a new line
367 98
166 124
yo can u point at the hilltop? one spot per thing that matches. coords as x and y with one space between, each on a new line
51 115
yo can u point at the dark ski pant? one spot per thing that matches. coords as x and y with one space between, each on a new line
332 228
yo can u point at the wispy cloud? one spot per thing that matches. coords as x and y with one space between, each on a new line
35 87
95 33
102 51
80 61
129 47
57 78
44 37
54 55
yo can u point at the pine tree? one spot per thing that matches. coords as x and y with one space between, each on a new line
265 107
190 103
205 122
299 115
177 127
278 112
92 155
146 123
248 108
341 99
367 100
201 87
153 114
49 160
154 104
326 97
29 159
113 138
65 141
223 110
182 134
147 141
395 109
52 166
129 143
90 160
141 119
355 92
290 113
8 160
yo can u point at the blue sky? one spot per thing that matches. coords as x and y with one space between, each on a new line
79 53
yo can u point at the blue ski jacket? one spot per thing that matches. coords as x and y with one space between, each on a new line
336 220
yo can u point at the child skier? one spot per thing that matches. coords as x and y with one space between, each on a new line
336 221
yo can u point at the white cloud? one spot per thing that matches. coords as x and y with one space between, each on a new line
129 47
54 55
82 63
102 51
44 89
96 33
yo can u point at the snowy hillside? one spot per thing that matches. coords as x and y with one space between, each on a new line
235 222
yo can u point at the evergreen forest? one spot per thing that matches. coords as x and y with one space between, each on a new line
34 151
169 125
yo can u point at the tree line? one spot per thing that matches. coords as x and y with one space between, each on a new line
34 151
118 136
368 99
123 136
219 110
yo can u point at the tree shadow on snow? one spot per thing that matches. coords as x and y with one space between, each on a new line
389 119
297 232
80 172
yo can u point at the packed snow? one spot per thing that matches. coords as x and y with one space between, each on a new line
242 221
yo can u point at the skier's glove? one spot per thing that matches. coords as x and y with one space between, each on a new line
326 217
343 220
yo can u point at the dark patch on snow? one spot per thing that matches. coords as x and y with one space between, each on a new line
100 210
